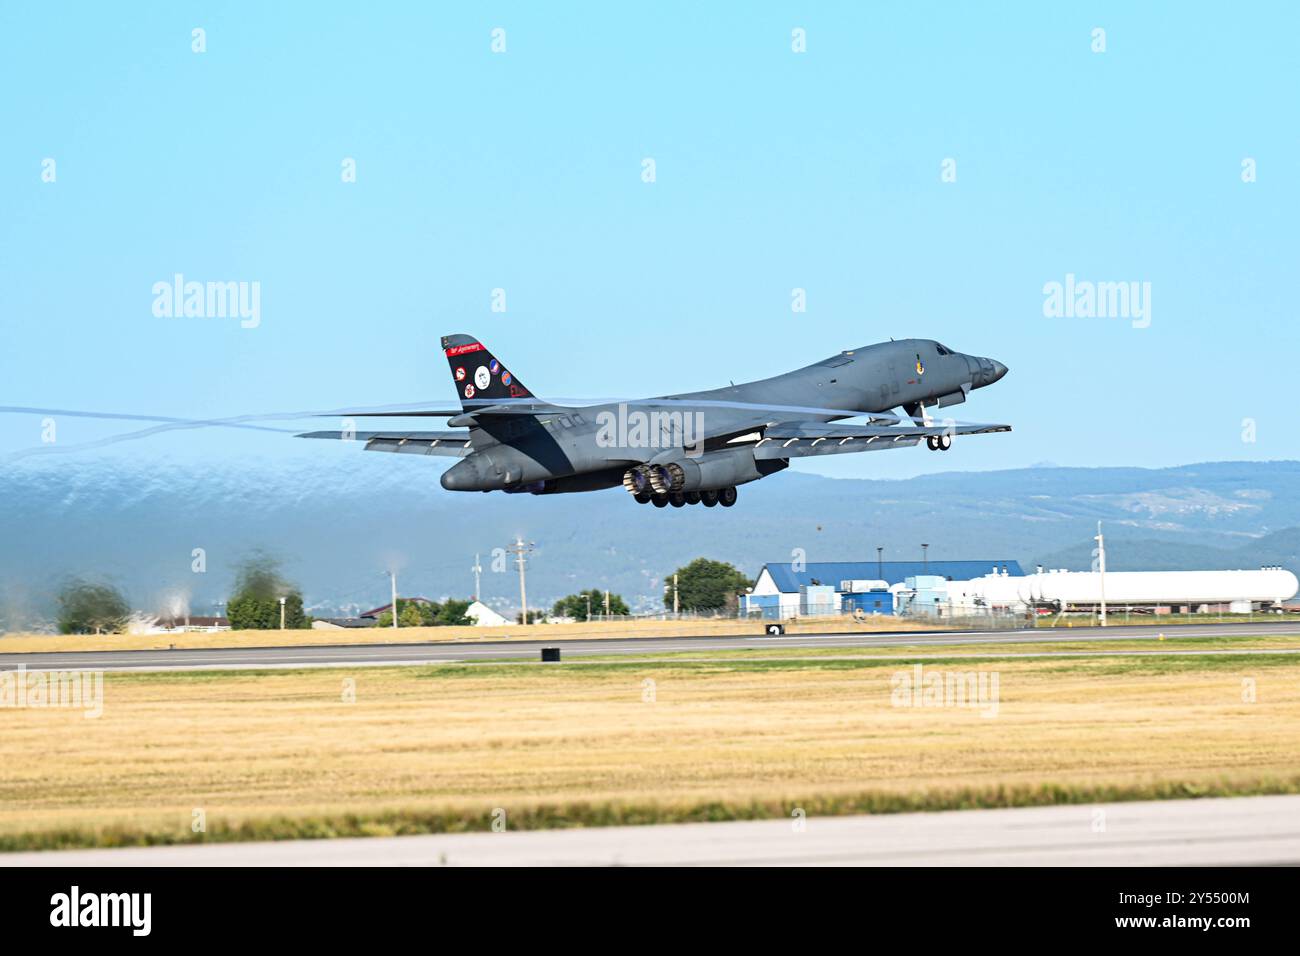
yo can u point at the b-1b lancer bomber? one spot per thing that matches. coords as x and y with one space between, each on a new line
692 448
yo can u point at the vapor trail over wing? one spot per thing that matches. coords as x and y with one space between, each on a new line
809 439
440 443
166 424
116 416
531 406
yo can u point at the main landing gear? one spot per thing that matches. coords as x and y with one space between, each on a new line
657 488
938 442
680 499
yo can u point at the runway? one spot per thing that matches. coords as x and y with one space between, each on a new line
1230 831
472 651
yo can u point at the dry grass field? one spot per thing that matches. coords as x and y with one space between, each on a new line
24 643
288 754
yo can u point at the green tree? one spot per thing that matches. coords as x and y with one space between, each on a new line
452 613
249 613
575 605
86 608
705 585
255 603
409 614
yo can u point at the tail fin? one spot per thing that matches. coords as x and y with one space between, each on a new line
478 375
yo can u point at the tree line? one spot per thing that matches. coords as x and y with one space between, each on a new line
100 608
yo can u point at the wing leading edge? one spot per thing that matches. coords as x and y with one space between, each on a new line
806 439
445 444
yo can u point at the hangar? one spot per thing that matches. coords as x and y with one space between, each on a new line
798 589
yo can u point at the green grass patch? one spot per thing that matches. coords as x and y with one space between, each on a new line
1170 664
1117 618
1101 660
479 818
199 676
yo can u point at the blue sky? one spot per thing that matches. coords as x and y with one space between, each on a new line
774 171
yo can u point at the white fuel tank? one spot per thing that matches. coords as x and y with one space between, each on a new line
1157 587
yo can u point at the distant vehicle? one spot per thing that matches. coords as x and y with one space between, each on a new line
692 448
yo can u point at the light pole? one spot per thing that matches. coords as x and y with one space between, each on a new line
478 571
588 596
675 612
393 581
880 564
521 550
925 558
282 613
1101 568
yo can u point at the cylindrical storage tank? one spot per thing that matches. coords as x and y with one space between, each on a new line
1158 587
997 590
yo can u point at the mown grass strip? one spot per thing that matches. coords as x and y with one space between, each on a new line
580 814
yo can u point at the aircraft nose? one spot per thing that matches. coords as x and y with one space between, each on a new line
988 371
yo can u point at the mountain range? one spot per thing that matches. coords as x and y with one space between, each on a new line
174 533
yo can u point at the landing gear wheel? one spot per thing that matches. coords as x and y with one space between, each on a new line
709 498
727 497
931 443
943 442
677 499
659 501
643 497
692 497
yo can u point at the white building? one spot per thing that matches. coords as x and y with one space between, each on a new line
484 616
831 587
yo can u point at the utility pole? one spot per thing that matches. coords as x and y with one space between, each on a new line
674 595
607 604
588 597
478 571
521 550
1101 568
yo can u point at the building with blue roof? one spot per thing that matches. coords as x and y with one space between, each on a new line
782 591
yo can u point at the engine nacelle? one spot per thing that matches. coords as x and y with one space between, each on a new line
495 469
710 472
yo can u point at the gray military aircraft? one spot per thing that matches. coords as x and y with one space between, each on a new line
692 448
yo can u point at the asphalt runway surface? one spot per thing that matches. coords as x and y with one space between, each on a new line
1227 831
378 654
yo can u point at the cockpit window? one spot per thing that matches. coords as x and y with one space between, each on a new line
942 350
